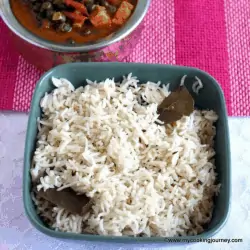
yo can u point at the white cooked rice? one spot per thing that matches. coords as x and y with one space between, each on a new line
145 179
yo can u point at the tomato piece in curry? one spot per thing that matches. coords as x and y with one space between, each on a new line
72 21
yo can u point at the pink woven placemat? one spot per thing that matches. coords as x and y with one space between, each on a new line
211 35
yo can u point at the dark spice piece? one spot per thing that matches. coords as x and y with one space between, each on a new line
67 199
175 106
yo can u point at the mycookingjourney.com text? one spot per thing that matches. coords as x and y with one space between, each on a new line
210 240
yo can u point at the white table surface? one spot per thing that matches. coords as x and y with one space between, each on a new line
17 233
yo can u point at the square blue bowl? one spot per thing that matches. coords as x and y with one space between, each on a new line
211 97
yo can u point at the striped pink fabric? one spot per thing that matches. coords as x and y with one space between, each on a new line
237 18
211 35
201 39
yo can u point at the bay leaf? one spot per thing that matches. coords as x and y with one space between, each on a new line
67 199
169 117
176 105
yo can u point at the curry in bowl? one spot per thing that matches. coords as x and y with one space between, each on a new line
73 21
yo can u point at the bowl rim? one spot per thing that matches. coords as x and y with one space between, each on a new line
126 239
133 22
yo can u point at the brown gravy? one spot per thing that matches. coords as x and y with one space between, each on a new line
27 18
